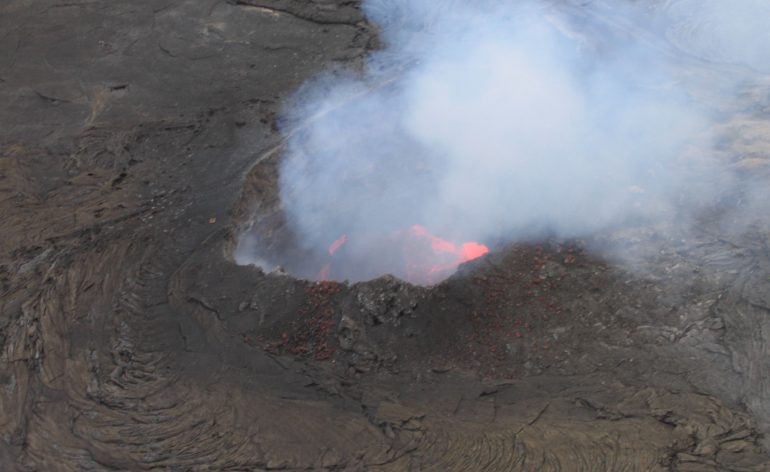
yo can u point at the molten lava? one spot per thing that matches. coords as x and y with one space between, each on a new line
471 250
424 258
323 274
466 252
337 244
447 256
437 244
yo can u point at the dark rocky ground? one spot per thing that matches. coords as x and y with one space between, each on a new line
137 139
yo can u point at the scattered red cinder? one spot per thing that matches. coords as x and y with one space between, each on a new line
311 333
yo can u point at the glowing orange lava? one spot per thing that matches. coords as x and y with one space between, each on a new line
323 274
441 248
426 258
337 244
436 243
466 252
471 250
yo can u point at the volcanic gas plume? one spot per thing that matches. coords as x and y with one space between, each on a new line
484 122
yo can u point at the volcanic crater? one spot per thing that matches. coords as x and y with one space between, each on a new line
140 146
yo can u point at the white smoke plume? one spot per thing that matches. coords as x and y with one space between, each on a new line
728 32
498 121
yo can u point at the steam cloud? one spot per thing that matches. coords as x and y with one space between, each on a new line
499 121
732 32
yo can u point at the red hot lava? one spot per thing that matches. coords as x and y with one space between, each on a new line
323 274
446 256
426 259
338 244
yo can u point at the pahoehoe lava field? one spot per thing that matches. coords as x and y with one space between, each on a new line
140 140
